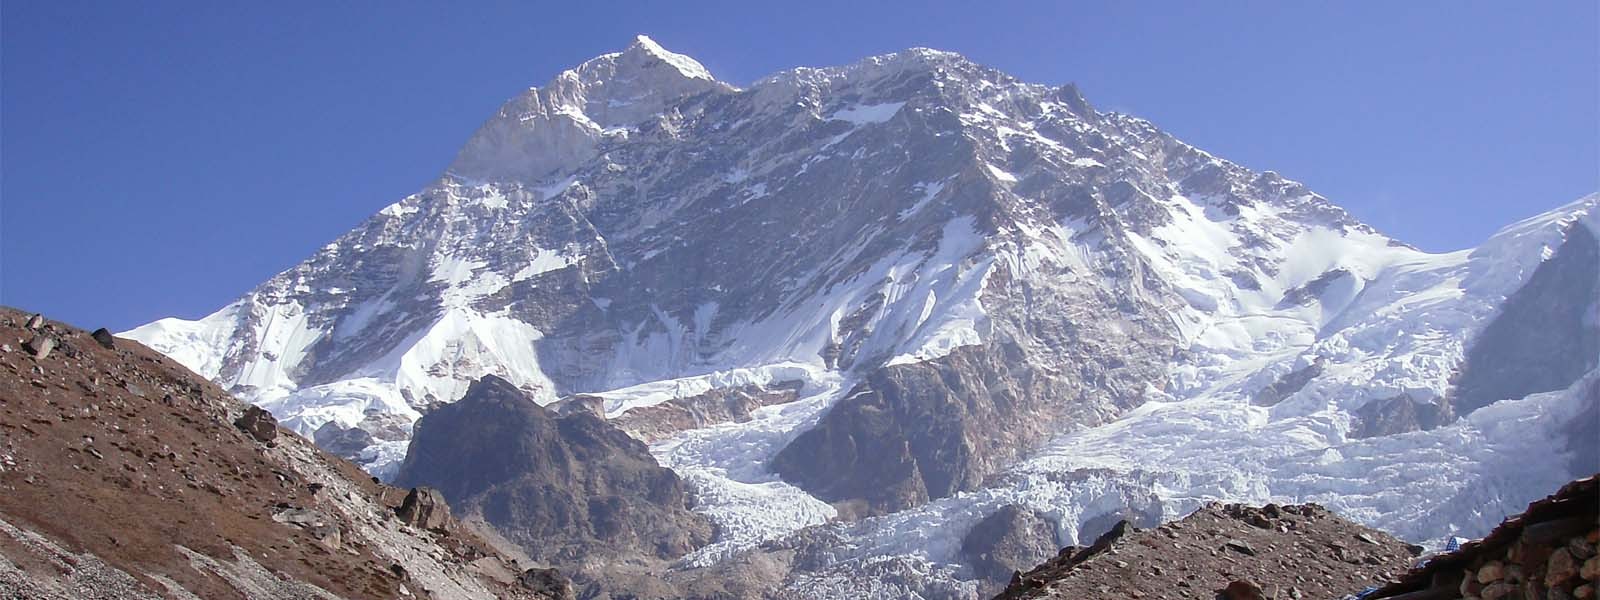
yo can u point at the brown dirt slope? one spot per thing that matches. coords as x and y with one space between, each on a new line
123 475
1301 551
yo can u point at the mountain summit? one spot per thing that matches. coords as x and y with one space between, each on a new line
901 294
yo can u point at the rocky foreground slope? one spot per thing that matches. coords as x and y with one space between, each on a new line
1229 551
123 475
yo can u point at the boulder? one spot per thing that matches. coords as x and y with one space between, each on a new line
259 423
34 322
548 582
104 338
1243 589
425 508
1010 539
40 346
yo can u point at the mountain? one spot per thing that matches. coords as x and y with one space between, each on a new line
126 476
568 489
890 298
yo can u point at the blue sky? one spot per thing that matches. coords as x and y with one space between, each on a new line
161 158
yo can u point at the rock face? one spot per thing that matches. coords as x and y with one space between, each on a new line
1400 414
1546 336
567 489
1012 539
126 478
720 405
1223 551
1548 551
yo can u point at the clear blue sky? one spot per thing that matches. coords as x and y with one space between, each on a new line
161 158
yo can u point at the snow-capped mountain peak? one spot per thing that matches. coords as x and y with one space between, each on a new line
967 289
559 126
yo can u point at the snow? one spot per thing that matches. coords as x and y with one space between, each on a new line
621 400
867 114
725 465
545 261
929 192
192 343
1001 174
689 67
941 328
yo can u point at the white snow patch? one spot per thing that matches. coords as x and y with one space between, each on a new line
866 114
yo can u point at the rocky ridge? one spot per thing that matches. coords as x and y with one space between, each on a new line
1226 551
126 476
571 490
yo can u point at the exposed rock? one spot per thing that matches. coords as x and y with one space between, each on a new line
39 346
720 405
1243 589
156 497
258 423
425 508
34 322
346 443
1287 385
566 489
1178 559
1542 340
1011 539
1401 414
104 338
593 405
549 582
1241 547
916 432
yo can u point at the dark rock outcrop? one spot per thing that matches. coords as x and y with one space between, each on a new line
259 423
1011 539
425 508
1287 385
1400 414
549 582
720 405
565 488
1543 339
103 337
912 433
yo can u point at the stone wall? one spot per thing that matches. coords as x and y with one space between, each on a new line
1546 553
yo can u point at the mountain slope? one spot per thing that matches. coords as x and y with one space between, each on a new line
983 292
126 476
